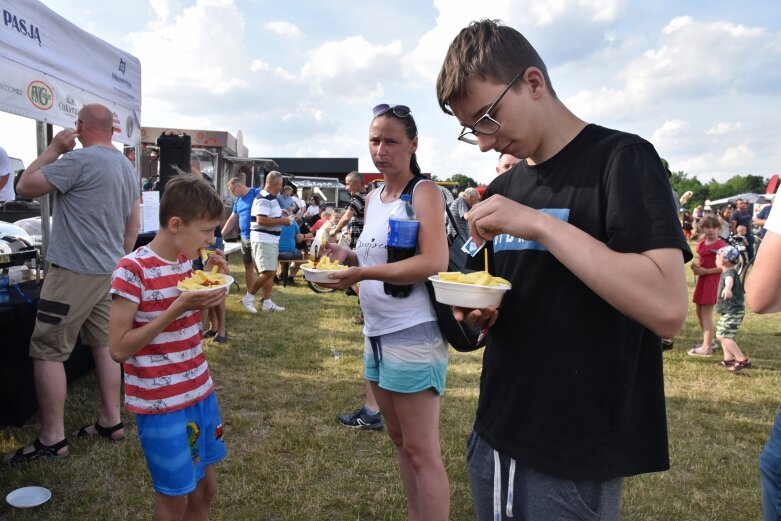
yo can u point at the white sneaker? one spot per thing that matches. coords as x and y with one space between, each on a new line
268 305
249 303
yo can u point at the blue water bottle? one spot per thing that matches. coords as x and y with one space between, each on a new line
402 241
4 296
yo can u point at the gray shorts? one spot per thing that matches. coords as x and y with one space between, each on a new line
535 495
246 252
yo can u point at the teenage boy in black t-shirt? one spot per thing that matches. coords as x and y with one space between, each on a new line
571 391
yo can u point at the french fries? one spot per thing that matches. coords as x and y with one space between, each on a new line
324 263
201 280
478 278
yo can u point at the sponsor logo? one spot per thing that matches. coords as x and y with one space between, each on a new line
40 95
129 126
121 79
22 26
68 106
10 89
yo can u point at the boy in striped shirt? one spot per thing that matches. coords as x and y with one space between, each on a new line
155 331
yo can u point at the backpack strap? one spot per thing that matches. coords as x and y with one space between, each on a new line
411 187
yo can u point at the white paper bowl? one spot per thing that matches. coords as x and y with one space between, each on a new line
227 284
319 276
467 295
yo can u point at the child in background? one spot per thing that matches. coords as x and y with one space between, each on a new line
732 310
706 288
155 331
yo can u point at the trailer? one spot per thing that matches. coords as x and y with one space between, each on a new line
222 157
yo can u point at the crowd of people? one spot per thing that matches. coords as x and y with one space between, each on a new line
553 444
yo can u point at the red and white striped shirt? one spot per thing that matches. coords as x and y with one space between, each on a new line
171 372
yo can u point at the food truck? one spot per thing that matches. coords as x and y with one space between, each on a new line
222 156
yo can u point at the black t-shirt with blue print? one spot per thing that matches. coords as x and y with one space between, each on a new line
570 385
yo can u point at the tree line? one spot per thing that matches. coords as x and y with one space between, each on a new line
681 183
713 189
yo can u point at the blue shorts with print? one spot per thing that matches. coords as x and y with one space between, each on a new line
179 445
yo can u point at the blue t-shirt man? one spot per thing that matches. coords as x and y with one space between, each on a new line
242 207
287 238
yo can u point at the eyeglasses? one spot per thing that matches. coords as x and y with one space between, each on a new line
401 111
486 125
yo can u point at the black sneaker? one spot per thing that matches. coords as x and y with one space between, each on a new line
358 419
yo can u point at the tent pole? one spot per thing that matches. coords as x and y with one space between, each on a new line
43 133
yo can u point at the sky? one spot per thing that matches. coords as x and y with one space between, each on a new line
700 80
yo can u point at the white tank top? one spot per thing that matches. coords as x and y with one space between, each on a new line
382 313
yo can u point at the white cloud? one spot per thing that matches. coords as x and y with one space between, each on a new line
164 9
352 69
259 65
670 132
179 55
723 128
284 29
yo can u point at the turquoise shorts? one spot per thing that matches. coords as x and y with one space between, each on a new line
179 445
407 361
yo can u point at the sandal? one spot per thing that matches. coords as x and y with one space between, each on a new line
726 363
209 333
221 339
39 451
102 432
743 364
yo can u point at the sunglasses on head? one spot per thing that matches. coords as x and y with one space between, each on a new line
401 111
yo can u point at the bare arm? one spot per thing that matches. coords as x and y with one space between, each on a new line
348 214
763 286
649 287
727 293
33 183
271 221
230 223
132 225
125 341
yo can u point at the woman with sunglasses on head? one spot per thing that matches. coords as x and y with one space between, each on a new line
405 356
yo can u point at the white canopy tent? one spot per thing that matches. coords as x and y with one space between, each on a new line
49 69
750 198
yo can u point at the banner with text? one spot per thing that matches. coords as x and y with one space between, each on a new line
49 68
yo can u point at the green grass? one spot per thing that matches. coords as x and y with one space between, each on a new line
280 391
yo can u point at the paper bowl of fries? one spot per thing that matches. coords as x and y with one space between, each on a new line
476 290
205 281
318 271
319 276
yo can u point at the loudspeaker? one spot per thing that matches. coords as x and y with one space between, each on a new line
174 150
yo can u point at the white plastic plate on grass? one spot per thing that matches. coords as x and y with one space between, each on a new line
28 497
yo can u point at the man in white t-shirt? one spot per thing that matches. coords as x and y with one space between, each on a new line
6 178
264 238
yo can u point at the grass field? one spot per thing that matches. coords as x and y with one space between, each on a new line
281 389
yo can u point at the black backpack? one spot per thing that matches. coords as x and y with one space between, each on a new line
461 336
